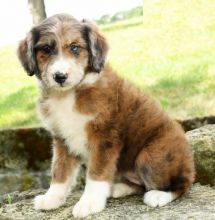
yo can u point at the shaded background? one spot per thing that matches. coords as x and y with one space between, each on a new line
166 48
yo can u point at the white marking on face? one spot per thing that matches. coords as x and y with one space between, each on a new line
121 190
66 66
155 198
60 65
93 199
69 124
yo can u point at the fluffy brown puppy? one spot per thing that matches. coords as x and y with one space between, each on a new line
127 142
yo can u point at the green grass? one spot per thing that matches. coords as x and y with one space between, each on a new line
170 53
9 199
17 92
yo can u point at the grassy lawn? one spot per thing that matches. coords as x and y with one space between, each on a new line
170 53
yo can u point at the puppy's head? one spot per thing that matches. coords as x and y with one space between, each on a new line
62 50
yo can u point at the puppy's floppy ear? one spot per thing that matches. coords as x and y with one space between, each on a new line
26 55
96 45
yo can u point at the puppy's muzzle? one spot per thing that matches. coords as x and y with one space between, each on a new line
60 77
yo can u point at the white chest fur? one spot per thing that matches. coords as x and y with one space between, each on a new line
68 123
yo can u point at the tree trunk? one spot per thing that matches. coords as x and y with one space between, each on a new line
37 8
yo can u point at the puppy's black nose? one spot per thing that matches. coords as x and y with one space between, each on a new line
60 77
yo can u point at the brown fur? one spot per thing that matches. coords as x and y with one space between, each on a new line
130 138
132 134
63 163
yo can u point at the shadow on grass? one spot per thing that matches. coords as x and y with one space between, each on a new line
176 89
190 80
18 108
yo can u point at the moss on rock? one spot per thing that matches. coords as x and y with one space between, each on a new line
25 148
25 158
202 141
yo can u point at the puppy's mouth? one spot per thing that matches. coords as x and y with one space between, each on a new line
63 86
68 85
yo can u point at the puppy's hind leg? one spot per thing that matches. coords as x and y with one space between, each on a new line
64 171
125 189
165 176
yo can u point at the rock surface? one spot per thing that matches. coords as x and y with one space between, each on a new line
23 180
202 141
25 157
193 123
25 148
199 203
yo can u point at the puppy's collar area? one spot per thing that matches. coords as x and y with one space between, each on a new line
89 78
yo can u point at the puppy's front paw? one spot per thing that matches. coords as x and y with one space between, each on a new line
47 202
86 206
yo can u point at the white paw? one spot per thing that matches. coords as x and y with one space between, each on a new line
86 206
155 198
121 190
47 202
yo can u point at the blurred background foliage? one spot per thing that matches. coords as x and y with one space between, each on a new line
166 48
122 15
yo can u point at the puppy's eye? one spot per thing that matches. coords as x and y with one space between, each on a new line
74 48
46 49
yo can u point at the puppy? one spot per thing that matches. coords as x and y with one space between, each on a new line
128 144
